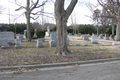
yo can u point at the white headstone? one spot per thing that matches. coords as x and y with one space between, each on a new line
114 43
48 32
48 29
94 39
25 32
35 32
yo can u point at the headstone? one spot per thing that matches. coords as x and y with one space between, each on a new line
18 43
101 36
102 44
35 33
39 43
77 44
53 40
85 37
19 36
7 35
114 43
70 34
79 34
47 34
67 41
4 43
118 43
75 34
94 39
85 44
25 31
106 37
111 36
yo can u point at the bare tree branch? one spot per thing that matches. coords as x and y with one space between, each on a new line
19 16
35 5
70 8
34 18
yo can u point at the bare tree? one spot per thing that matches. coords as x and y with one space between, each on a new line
30 6
36 26
73 22
96 16
61 16
112 8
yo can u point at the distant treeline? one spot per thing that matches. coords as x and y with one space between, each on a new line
83 29
16 28
89 29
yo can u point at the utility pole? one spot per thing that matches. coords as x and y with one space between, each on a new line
42 15
9 15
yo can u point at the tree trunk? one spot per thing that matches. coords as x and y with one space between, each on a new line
28 27
61 37
61 17
118 31
28 21
118 26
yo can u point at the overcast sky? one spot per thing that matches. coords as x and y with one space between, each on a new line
80 12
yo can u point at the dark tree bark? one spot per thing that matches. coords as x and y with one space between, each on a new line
61 16
28 21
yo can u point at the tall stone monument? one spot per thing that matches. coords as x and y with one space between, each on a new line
47 34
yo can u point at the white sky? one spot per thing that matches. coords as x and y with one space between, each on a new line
80 13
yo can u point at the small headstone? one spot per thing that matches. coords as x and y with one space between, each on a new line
77 44
114 43
101 36
75 34
118 43
4 44
106 37
79 34
70 34
39 43
53 40
102 44
19 36
18 43
67 41
85 44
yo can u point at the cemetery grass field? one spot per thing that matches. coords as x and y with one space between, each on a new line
29 54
